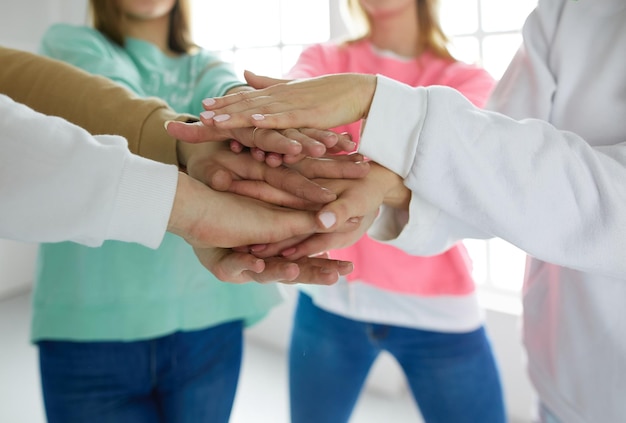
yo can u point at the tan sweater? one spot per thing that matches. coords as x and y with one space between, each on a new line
93 102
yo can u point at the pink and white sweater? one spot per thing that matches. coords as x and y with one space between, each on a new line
388 285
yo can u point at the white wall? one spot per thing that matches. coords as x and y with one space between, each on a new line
21 25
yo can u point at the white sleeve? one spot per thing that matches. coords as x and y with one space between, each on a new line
546 191
59 183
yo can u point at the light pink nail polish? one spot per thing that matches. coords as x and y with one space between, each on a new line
207 115
221 118
258 116
208 102
328 219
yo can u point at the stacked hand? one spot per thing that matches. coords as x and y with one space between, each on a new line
289 201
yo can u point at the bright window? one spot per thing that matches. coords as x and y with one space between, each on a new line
267 37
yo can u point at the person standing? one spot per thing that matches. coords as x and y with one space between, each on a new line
421 310
553 186
163 334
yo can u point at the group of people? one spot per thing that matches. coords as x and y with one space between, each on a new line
137 334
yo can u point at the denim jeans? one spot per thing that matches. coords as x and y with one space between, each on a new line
180 378
453 376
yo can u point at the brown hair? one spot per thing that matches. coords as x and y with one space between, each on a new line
431 36
106 17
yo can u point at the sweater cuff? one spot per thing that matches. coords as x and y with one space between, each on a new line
391 130
160 146
144 202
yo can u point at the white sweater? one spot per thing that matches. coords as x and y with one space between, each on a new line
57 183
554 189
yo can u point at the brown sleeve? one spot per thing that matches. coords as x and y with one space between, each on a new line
92 102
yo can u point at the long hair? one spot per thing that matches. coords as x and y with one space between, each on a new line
106 17
430 35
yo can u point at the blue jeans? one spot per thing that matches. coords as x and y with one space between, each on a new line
452 376
180 378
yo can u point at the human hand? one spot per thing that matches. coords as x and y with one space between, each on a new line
322 102
353 212
289 145
236 267
208 218
215 165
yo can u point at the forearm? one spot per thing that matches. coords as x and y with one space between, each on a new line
60 183
501 177
92 102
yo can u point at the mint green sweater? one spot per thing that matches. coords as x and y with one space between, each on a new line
124 291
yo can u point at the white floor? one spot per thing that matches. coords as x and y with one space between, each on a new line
261 397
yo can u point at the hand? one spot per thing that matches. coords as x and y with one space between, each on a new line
216 166
291 144
354 211
288 186
207 218
231 266
322 102
274 159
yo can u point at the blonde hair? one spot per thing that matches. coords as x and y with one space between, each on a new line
430 35
107 17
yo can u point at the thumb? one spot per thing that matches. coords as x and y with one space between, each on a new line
193 132
260 82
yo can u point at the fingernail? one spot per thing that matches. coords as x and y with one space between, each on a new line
207 115
221 118
328 219
288 252
258 116
208 102
167 122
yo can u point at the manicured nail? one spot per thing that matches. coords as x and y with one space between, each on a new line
207 115
208 102
328 219
221 118
288 252
258 116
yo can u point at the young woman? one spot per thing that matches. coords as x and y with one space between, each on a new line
126 333
553 184
422 310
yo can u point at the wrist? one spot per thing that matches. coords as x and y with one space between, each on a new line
366 89
396 194
178 223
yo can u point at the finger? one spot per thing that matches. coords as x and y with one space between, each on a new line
293 182
236 146
310 146
341 213
218 178
260 190
273 250
333 141
259 82
344 144
281 270
257 154
194 132
293 159
274 159
321 271
335 168
229 266
313 245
